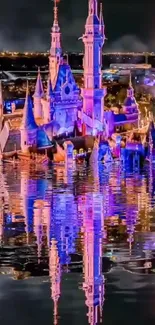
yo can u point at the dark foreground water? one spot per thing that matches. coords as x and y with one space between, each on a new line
77 246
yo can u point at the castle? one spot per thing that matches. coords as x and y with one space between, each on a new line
63 104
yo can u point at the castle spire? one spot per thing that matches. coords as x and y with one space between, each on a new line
38 95
28 121
101 19
55 58
130 90
1 99
130 81
93 7
39 92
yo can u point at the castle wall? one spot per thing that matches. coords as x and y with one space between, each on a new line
66 114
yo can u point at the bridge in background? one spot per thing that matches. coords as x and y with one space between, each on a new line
11 75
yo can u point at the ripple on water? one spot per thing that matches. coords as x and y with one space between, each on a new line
85 221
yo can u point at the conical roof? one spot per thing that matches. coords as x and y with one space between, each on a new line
39 91
101 15
28 121
130 83
42 139
130 99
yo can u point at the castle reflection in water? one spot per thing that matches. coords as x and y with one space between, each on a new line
68 220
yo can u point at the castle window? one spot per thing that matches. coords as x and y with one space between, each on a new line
25 143
67 90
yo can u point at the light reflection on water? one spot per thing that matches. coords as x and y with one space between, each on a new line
96 222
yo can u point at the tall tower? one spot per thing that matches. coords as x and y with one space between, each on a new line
93 93
55 58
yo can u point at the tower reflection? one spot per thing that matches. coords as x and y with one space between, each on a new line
65 214
93 226
55 278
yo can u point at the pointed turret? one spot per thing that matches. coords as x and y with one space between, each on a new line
130 91
93 7
55 58
38 95
130 81
55 27
28 121
101 20
130 103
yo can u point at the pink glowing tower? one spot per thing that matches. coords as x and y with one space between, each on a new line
93 93
55 58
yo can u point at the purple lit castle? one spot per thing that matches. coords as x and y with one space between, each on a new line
58 106
31 133
92 115
62 105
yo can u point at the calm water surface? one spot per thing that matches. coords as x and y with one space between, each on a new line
77 246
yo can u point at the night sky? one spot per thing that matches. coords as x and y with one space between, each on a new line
25 24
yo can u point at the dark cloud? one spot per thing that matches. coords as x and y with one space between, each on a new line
25 25
127 43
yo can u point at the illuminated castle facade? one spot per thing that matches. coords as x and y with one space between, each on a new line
58 106
31 133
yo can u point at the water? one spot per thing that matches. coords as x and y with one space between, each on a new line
80 244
